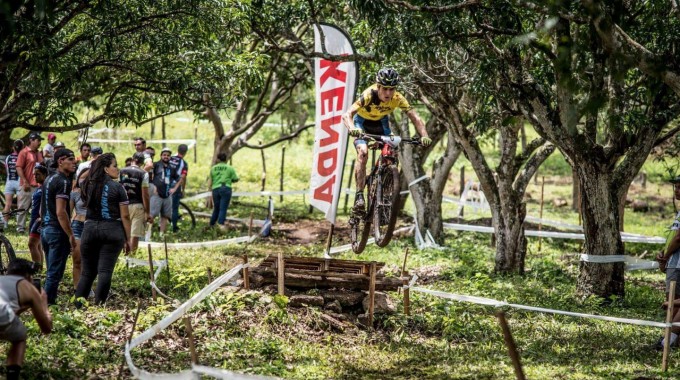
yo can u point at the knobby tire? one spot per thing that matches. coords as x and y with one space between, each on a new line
361 228
386 205
6 254
187 210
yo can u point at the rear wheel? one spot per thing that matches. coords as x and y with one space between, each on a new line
6 254
185 212
386 204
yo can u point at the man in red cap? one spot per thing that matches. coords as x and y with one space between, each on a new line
48 150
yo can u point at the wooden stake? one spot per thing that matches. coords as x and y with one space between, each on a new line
246 274
510 343
371 295
667 334
132 331
192 344
153 291
283 156
329 242
403 267
209 275
281 273
167 261
540 213
407 295
462 189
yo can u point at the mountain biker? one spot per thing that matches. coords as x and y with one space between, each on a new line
370 114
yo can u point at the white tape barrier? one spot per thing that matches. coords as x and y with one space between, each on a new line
256 222
427 242
204 244
190 142
632 263
247 194
557 235
496 303
170 319
160 265
347 247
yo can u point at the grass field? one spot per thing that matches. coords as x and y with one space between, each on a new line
255 333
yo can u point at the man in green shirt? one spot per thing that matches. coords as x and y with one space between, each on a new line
222 175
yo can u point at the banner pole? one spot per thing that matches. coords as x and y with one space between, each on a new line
327 254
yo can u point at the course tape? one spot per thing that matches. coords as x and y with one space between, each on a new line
160 265
247 194
497 304
191 143
256 222
632 263
347 247
558 235
204 244
417 180
170 319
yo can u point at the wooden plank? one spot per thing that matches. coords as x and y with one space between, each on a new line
261 276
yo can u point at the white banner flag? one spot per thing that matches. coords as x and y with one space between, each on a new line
335 88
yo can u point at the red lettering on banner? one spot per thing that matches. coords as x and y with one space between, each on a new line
328 96
324 169
332 71
327 126
325 191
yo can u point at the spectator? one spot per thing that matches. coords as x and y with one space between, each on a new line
26 161
136 184
51 169
78 222
140 146
107 227
128 162
48 150
85 149
669 262
35 225
57 237
18 294
95 152
163 178
12 186
178 164
221 177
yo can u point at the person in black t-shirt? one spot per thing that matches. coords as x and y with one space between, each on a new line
178 164
56 236
136 182
165 183
107 227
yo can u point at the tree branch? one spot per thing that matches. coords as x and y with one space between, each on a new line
432 8
290 136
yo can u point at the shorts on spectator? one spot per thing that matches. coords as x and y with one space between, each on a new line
673 274
137 220
13 332
161 206
12 187
77 226
35 228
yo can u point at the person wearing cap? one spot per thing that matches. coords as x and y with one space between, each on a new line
12 186
19 291
140 146
26 161
95 152
85 149
165 183
51 169
35 225
57 236
669 262
48 150
136 184
178 164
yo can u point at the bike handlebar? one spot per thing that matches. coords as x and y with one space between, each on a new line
379 138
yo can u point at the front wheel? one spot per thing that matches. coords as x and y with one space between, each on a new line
6 254
360 227
386 205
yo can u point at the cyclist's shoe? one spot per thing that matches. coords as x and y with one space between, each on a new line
359 203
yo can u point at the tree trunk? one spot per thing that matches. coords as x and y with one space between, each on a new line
6 140
600 212
511 244
574 191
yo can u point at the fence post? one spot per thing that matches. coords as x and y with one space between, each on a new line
667 333
246 274
192 344
281 274
371 295
510 343
153 290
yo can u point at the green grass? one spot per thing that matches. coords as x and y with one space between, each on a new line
249 332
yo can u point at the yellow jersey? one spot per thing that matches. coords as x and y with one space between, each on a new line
370 107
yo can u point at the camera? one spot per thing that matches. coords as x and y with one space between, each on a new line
36 283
